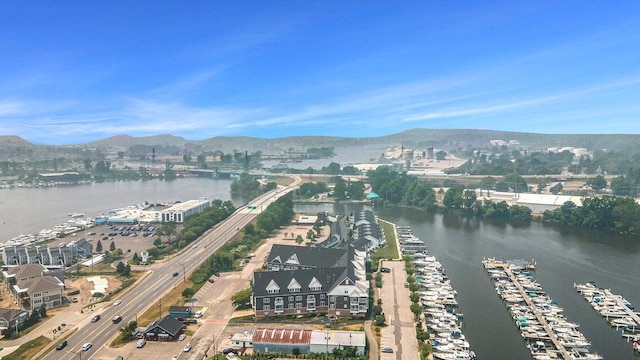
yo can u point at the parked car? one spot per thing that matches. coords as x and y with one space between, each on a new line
198 314
62 345
182 337
228 351
385 270
95 318
86 346
187 348
175 274
74 299
386 350
141 343
211 280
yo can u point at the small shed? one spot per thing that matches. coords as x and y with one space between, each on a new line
281 340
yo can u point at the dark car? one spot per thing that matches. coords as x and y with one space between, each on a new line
95 318
385 270
211 280
228 351
62 345
175 274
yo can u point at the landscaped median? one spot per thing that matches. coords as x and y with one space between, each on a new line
390 250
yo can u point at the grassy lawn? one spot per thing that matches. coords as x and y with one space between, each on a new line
390 250
28 350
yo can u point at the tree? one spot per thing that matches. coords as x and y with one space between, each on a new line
136 258
127 270
188 293
299 239
242 299
120 268
168 229
99 247
157 242
112 246
311 235
597 183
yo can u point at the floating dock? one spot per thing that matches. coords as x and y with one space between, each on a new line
539 318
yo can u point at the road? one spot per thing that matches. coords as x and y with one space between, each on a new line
159 280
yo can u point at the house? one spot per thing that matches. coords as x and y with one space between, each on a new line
10 318
33 285
305 280
180 312
167 329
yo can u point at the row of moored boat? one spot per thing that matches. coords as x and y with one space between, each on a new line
439 302
617 310
549 335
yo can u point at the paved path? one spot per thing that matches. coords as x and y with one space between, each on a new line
373 343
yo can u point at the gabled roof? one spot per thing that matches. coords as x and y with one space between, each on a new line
308 256
170 325
27 271
11 314
294 285
326 277
45 283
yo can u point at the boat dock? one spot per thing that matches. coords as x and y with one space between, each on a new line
613 307
539 318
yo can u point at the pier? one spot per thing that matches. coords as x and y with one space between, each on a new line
515 292
552 335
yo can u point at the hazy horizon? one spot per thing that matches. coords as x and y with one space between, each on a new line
79 72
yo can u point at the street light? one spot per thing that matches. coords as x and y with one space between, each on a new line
184 273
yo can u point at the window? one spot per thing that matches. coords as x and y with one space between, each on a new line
322 303
266 300
345 305
346 298
322 296
298 305
332 299
290 298
273 291
266 307
290 305
299 298
279 300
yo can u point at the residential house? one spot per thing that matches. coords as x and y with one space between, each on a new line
33 285
10 318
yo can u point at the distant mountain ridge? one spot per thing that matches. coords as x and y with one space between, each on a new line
15 148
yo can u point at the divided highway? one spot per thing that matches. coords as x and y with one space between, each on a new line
159 280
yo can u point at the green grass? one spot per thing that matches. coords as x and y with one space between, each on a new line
390 250
29 349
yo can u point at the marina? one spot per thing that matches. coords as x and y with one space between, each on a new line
548 334
619 312
438 298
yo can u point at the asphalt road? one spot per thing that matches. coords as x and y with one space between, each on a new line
158 281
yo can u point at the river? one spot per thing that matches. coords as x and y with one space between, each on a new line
563 255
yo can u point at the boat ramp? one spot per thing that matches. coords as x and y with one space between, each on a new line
619 312
548 333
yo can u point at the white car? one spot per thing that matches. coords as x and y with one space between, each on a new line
198 314
187 348
117 302
182 337
86 346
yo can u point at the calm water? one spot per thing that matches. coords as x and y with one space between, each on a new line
24 211
563 256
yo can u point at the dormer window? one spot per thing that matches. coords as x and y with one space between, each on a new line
273 288
315 285
294 286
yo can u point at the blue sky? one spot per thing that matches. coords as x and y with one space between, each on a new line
78 71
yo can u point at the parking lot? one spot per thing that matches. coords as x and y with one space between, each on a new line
399 336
